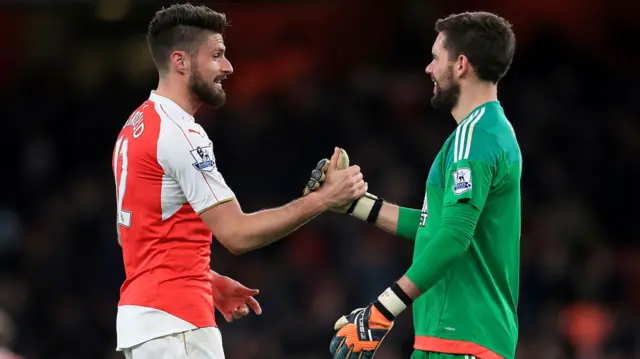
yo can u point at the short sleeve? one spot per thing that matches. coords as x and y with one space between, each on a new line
470 174
187 157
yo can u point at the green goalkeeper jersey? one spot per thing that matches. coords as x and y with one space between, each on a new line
472 309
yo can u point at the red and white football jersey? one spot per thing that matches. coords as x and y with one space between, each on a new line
165 174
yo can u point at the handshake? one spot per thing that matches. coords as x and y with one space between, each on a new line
343 187
360 333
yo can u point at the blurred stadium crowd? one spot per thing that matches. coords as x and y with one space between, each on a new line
339 80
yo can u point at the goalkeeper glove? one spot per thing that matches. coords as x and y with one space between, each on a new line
366 208
360 333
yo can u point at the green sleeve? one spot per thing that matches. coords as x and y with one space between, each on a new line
466 189
467 185
471 174
458 224
408 222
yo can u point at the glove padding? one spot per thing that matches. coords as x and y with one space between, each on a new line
318 175
360 208
359 334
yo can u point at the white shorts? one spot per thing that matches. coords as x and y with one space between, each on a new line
203 343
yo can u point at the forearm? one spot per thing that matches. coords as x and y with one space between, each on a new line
450 243
400 221
410 288
388 218
264 227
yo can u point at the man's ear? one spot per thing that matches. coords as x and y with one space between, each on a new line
180 61
462 66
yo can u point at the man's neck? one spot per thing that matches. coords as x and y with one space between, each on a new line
178 94
473 96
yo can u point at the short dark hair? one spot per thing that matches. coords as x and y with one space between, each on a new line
486 39
181 27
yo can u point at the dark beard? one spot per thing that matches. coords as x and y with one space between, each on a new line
207 94
446 99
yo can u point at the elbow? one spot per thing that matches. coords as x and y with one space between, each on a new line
238 250
230 231
236 244
460 237
461 225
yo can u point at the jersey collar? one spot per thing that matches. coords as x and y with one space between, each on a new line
171 106
489 103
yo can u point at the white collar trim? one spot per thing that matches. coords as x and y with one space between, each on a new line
171 104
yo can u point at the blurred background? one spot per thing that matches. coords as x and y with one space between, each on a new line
310 75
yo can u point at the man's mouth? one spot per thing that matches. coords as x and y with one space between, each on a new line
218 81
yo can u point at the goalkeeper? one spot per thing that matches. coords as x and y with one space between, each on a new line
463 283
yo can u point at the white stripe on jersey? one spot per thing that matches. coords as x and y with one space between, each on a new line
455 145
471 126
457 141
462 145
463 132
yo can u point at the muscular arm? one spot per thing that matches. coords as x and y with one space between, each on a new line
242 232
187 158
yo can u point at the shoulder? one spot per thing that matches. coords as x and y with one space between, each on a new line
177 132
141 129
145 114
184 143
485 135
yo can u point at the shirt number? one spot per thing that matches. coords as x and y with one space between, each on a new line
122 145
